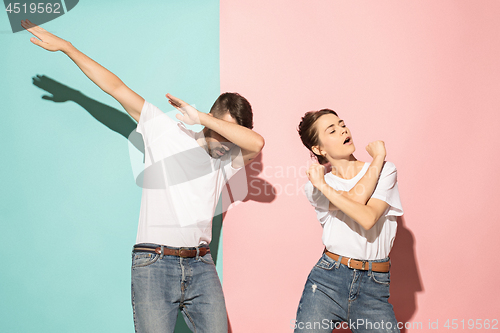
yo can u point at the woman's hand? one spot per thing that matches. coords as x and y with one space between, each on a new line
45 39
376 148
316 175
189 115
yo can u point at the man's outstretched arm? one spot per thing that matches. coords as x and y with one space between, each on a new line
107 81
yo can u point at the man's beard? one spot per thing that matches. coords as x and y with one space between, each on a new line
214 152
213 148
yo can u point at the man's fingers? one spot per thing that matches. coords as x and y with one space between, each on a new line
29 28
28 25
172 100
36 41
170 97
34 26
38 28
175 101
175 105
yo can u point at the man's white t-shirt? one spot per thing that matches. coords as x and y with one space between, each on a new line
344 236
181 183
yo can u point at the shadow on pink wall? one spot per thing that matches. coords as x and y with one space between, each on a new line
405 275
260 190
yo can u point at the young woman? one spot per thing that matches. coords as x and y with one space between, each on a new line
357 204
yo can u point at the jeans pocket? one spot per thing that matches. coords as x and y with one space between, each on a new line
142 259
325 262
381 278
207 259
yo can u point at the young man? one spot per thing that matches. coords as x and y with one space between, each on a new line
184 175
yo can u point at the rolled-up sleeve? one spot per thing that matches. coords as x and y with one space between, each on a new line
387 189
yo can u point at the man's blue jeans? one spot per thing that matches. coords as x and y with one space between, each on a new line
336 296
161 285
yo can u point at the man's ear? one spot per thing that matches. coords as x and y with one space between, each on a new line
211 115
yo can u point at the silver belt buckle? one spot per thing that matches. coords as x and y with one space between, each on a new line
349 263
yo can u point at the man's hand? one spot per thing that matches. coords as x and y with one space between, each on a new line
316 175
189 115
45 39
376 148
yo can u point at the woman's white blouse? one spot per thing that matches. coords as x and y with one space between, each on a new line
344 236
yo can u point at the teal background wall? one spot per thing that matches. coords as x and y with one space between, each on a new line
69 205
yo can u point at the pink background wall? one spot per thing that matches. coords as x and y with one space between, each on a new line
423 76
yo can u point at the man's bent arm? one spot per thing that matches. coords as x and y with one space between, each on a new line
250 142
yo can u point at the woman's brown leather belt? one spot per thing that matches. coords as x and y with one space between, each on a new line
381 267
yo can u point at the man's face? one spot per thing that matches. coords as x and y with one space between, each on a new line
218 145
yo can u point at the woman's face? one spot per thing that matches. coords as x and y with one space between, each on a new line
335 140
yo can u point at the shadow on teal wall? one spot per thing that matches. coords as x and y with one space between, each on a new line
69 205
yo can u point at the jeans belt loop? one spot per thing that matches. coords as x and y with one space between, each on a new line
197 253
369 268
161 254
338 261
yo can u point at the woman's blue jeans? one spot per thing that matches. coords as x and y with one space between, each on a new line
336 296
161 285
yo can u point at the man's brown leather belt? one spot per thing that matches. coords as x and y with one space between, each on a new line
180 252
381 267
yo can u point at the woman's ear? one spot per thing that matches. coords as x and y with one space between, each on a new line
316 150
211 115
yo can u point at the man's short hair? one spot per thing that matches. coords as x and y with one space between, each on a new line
237 106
